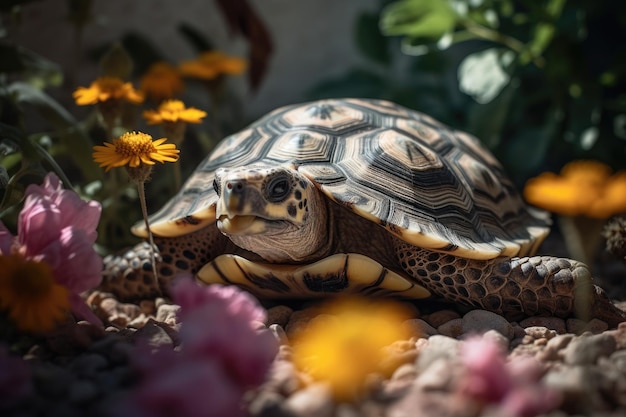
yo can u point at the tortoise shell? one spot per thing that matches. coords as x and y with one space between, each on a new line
426 183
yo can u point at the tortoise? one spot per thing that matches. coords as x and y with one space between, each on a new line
362 196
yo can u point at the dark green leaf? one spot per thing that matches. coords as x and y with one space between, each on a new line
370 41
418 18
196 39
61 120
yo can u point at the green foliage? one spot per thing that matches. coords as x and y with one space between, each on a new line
540 82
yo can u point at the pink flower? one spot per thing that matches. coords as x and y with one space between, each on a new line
15 379
218 321
57 227
513 387
222 356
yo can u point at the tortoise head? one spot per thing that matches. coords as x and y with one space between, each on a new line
275 212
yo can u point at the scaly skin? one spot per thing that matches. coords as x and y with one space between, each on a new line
512 287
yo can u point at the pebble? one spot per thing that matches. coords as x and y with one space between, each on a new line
587 350
87 365
437 376
438 346
313 401
440 317
279 314
168 314
155 335
82 391
279 334
418 327
479 321
552 323
578 326
453 328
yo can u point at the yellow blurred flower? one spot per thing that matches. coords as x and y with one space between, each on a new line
161 81
209 65
173 111
347 342
584 188
133 149
107 88
34 301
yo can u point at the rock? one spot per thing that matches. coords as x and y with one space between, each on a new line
440 317
88 364
438 347
587 350
82 391
299 320
453 328
578 326
418 328
578 386
619 335
560 342
438 376
267 404
279 334
540 332
479 321
155 335
313 401
168 313
406 371
498 338
279 315
552 323
147 307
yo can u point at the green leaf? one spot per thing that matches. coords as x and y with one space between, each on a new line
370 41
195 38
63 122
429 19
483 74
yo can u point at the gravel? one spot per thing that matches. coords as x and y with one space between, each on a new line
584 361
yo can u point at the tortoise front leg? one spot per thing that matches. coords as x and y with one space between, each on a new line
129 275
513 287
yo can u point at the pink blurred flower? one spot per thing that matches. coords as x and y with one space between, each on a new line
513 387
57 227
223 354
219 321
15 379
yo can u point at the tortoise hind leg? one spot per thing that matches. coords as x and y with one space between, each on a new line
129 274
513 287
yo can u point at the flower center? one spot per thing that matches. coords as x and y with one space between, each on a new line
27 276
134 143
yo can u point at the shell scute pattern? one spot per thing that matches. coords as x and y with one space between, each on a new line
428 184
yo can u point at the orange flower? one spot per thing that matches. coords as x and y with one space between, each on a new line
133 149
28 291
107 88
209 65
172 111
161 82
584 188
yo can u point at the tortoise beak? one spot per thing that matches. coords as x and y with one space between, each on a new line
231 201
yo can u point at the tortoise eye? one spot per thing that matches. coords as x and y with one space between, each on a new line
216 186
277 189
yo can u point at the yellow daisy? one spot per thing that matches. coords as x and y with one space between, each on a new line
162 81
172 111
107 88
133 149
34 301
209 65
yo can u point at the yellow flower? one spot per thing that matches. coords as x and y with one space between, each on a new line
107 88
133 149
162 81
209 65
347 342
35 302
584 188
172 111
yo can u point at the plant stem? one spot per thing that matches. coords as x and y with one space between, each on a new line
144 212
